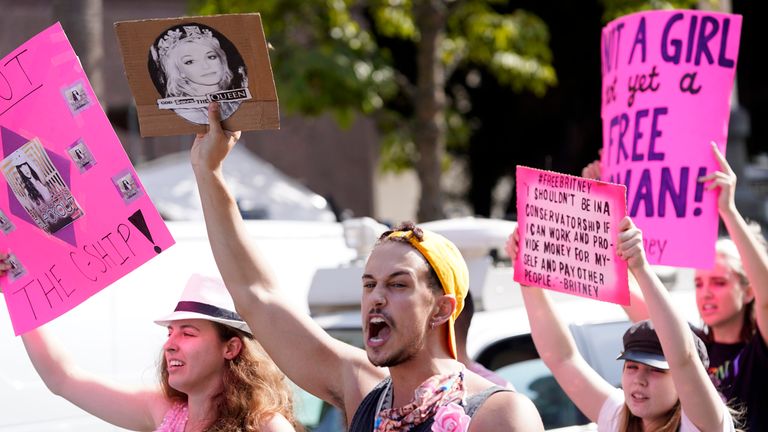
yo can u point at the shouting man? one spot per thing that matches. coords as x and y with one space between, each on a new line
413 288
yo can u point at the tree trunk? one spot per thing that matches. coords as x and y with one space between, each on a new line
429 125
82 20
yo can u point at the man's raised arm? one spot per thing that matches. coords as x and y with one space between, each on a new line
310 357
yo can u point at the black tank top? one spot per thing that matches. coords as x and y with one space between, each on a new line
366 412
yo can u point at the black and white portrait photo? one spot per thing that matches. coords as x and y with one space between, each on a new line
39 187
127 186
76 97
192 64
17 270
81 156
6 226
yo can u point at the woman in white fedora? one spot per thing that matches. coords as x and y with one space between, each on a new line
213 375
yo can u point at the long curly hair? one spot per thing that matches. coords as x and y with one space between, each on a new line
253 388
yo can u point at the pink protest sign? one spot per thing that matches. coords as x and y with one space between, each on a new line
73 213
568 229
667 78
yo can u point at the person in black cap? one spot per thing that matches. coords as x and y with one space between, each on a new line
665 386
732 298
213 375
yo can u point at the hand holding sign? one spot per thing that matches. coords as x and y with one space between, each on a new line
594 169
630 247
211 148
725 179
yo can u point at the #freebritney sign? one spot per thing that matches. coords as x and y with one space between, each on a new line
73 213
568 228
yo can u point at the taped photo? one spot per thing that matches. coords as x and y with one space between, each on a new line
6 226
17 270
39 187
81 156
127 186
193 64
77 97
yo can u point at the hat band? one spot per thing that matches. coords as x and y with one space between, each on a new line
206 309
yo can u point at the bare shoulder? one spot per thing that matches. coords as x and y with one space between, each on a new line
159 405
277 423
508 411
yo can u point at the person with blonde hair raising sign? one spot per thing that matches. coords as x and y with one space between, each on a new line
665 386
732 299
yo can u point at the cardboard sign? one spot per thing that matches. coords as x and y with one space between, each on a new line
73 213
177 66
667 79
568 229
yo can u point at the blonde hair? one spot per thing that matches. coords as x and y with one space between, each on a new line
632 423
176 85
253 390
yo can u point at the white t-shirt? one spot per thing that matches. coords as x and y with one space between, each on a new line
608 420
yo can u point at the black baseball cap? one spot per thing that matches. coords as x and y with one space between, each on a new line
641 345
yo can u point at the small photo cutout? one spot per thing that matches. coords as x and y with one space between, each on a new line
127 186
6 226
81 156
77 98
17 270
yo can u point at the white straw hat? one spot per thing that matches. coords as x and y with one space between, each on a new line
206 298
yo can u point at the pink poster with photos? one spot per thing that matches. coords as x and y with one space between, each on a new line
568 228
74 216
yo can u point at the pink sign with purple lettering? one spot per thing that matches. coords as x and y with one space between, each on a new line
568 229
667 79
73 213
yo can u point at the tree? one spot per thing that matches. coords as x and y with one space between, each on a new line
347 57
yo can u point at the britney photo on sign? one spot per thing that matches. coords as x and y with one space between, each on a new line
192 65
177 66
39 187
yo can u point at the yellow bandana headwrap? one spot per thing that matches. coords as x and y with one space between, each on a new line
450 267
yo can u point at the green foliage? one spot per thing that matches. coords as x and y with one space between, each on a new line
326 58
321 58
514 47
617 8
394 19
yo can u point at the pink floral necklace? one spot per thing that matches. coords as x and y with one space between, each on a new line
440 396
